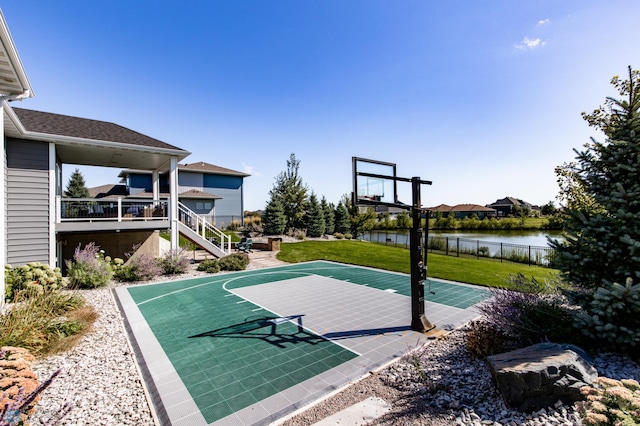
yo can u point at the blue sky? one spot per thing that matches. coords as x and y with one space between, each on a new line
482 98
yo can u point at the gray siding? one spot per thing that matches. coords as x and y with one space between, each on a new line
27 201
230 204
187 180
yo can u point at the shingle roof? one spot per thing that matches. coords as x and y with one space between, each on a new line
210 168
65 125
510 201
194 193
108 191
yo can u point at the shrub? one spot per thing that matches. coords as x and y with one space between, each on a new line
612 317
19 388
347 236
484 338
537 312
610 402
437 243
210 266
338 235
300 234
174 262
234 262
16 379
45 323
234 225
137 268
89 268
36 275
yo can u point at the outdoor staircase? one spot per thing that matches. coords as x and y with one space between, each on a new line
203 234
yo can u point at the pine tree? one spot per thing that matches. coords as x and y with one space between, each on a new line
76 187
315 218
343 222
273 220
292 194
602 243
329 216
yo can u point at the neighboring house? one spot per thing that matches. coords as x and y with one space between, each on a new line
505 206
213 192
461 211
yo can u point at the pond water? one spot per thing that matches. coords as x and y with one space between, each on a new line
528 238
530 247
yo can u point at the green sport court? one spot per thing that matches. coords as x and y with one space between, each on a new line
250 347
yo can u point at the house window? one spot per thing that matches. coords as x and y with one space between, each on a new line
203 206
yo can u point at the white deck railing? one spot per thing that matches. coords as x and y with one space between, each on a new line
111 210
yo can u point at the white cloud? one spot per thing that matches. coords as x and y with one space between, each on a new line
529 43
250 170
542 22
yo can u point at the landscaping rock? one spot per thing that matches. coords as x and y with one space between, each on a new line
537 376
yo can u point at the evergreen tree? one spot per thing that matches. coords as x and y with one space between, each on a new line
602 243
315 218
273 220
76 187
292 194
343 223
329 216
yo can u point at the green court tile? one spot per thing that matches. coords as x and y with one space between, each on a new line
263 391
244 399
229 390
216 411
205 389
281 383
253 381
227 353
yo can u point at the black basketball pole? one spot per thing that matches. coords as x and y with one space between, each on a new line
419 321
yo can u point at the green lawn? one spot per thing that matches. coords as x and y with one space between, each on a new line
484 272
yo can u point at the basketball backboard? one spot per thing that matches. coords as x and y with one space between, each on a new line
374 182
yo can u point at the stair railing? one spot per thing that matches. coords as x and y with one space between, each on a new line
203 228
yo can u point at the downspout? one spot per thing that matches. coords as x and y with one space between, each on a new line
173 205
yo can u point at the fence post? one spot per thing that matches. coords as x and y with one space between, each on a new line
529 255
501 252
477 249
446 251
458 247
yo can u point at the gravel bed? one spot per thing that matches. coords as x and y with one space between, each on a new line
438 384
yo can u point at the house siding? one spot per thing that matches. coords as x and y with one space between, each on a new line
188 181
226 209
230 189
27 201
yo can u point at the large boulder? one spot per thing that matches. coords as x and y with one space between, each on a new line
537 376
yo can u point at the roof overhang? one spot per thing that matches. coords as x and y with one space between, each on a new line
14 83
92 152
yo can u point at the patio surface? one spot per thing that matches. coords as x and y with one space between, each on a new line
250 347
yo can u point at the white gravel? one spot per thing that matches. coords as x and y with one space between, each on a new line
100 378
